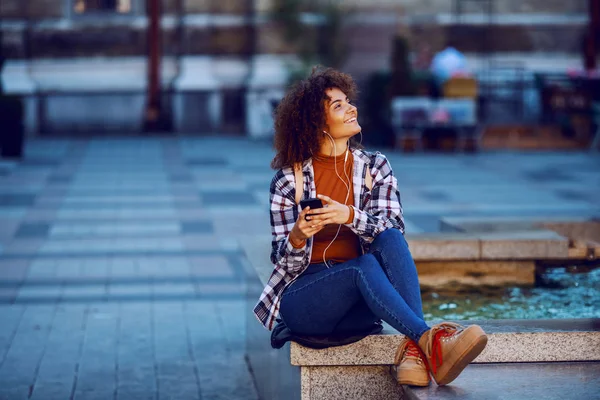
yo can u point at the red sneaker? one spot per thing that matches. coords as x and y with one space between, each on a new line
449 348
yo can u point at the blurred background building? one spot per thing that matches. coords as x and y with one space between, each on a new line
82 65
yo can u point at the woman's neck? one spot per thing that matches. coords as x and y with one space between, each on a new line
328 149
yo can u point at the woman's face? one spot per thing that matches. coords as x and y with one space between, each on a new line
341 115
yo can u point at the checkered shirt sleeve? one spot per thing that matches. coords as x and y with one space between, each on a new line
284 213
382 209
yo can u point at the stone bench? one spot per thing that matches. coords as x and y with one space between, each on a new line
361 370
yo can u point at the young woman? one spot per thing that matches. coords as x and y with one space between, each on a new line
344 266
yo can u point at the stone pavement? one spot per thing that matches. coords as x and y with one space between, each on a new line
121 275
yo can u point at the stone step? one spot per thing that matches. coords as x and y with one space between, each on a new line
509 341
549 381
573 380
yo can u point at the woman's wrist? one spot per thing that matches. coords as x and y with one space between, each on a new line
350 215
296 243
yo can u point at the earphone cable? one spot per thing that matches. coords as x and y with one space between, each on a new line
347 185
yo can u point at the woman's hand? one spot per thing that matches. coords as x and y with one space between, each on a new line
304 228
332 213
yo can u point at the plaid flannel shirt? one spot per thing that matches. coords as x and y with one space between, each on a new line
375 211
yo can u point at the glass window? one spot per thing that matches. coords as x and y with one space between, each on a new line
93 6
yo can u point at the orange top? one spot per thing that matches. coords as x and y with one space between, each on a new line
346 246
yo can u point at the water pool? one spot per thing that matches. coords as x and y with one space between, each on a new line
561 292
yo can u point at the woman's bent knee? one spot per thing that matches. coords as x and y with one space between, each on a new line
390 237
389 234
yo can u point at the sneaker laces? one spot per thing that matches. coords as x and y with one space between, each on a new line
434 348
408 348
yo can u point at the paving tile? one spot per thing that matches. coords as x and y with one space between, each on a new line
33 230
17 200
27 347
218 290
211 267
8 294
136 372
52 390
129 245
140 392
14 270
435 195
576 195
181 178
550 174
42 269
12 213
233 315
227 198
176 372
97 366
207 161
62 179
196 227
58 367
98 292
39 162
425 222
184 289
10 317
14 392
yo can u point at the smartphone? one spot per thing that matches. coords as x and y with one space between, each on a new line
312 203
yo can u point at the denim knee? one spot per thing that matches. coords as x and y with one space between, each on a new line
389 235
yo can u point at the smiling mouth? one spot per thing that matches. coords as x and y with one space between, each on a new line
351 120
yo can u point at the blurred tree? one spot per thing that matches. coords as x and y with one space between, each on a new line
402 75
376 110
320 42
332 46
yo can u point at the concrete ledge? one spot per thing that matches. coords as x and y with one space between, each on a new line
523 245
509 341
582 236
475 273
514 245
507 224
447 246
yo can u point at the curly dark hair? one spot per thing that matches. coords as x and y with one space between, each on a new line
300 116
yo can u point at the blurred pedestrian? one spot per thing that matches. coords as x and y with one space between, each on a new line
449 62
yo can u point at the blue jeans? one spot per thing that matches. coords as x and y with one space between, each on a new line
351 296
